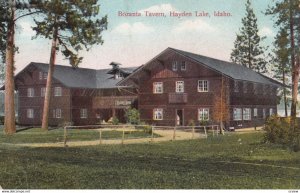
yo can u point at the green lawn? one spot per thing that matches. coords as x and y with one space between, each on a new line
231 161
37 135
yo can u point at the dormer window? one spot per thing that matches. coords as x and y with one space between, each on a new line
174 66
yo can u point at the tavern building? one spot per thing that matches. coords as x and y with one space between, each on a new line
174 88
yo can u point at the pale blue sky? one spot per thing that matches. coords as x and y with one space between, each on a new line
133 41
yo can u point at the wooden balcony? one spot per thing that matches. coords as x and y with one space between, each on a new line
178 98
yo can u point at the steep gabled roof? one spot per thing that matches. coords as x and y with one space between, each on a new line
232 70
80 77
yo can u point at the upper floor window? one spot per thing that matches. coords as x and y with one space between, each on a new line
237 114
30 92
83 113
183 65
247 114
203 114
57 91
255 88
202 86
179 86
158 114
158 87
43 91
174 66
265 89
30 113
57 113
236 86
43 75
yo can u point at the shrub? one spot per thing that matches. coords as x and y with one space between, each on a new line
132 116
279 131
191 122
145 127
115 121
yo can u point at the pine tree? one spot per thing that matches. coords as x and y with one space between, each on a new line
247 46
287 14
281 67
71 25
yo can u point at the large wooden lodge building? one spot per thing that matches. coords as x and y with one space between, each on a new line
173 88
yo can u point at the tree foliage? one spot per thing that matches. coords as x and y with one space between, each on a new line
77 21
247 46
3 37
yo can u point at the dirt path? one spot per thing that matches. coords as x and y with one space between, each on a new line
166 135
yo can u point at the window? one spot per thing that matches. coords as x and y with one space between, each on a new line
174 66
255 112
236 86
264 113
237 114
83 113
246 114
57 91
158 114
265 89
255 88
245 87
202 86
40 75
45 75
57 113
30 113
43 91
179 86
157 87
183 65
271 112
203 114
30 92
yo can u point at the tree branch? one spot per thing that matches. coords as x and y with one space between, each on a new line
31 13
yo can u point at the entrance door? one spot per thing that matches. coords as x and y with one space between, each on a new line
179 117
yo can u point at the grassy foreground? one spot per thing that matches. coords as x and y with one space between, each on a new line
231 161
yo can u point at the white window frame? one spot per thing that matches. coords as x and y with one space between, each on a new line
158 87
174 65
158 114
203 114
58 113
30 113
246 114
41 75
203 85
83 113
255 112
30 92
237 114
183 66
45 75
179 86
57 91
43 91
271 112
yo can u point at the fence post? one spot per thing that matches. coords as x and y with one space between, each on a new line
123 135
65 136
205 132
174 133
193 132
100 139
152 133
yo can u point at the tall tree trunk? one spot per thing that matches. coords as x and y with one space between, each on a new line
284 92
49 80
295 73
9 121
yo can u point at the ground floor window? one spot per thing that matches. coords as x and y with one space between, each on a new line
30 113
203 114
271 112
264 113
158 114
255 112
247 114
83 113
237 114
57 113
